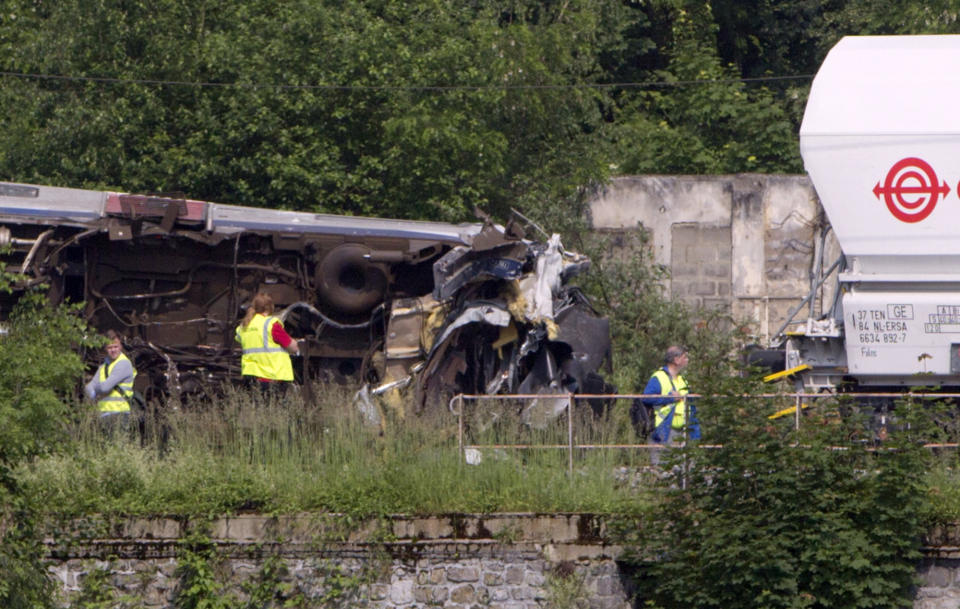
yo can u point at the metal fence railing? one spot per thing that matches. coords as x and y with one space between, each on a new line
800 403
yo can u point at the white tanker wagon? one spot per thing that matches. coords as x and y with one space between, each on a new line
880 140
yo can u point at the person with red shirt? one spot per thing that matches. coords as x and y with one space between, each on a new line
266 345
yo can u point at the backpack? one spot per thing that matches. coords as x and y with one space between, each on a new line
642 417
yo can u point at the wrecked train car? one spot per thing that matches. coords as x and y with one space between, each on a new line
446 308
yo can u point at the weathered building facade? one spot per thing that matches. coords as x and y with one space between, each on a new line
745 243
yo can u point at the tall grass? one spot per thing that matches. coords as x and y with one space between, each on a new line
278 454
275 454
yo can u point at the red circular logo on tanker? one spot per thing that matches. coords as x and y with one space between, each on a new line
911 189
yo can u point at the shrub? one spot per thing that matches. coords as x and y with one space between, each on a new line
38 371
775 517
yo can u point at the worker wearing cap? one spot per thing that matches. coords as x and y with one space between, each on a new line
672 410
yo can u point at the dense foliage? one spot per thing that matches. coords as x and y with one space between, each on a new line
422 109
39 369
415 109
776 517
429 109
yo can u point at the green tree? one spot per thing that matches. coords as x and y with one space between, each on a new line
39 370
700 118
773 517
420 109
627 286
770 38
861 17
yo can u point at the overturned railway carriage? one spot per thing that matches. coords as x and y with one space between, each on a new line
445 308
881 141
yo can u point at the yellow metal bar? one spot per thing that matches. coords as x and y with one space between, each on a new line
787 411
784 373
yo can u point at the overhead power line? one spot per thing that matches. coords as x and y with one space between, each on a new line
334 87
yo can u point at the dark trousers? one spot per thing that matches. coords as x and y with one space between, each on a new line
114 424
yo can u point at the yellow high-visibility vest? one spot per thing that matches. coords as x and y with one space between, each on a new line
116 400
262 356
679 407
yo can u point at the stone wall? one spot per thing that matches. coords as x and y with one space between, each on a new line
939 584
501 561
745 243
510 561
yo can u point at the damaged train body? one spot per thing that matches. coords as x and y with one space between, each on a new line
442 308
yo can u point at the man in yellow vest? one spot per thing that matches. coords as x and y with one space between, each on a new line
266 345
112 385
672 410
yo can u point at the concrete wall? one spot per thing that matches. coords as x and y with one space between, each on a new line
505 561
744 243
463 561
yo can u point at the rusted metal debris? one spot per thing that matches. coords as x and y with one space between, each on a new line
426 308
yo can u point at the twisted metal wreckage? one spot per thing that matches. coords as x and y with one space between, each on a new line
444 308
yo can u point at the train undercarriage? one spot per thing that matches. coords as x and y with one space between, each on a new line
434 309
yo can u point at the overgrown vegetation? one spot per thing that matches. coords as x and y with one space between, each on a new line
427 110
96 591
628 287
824 516
566 588
245 454
198 586
39 368
418 109
817 516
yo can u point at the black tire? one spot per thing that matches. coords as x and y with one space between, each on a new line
349 282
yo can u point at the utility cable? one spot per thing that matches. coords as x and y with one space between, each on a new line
414 88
